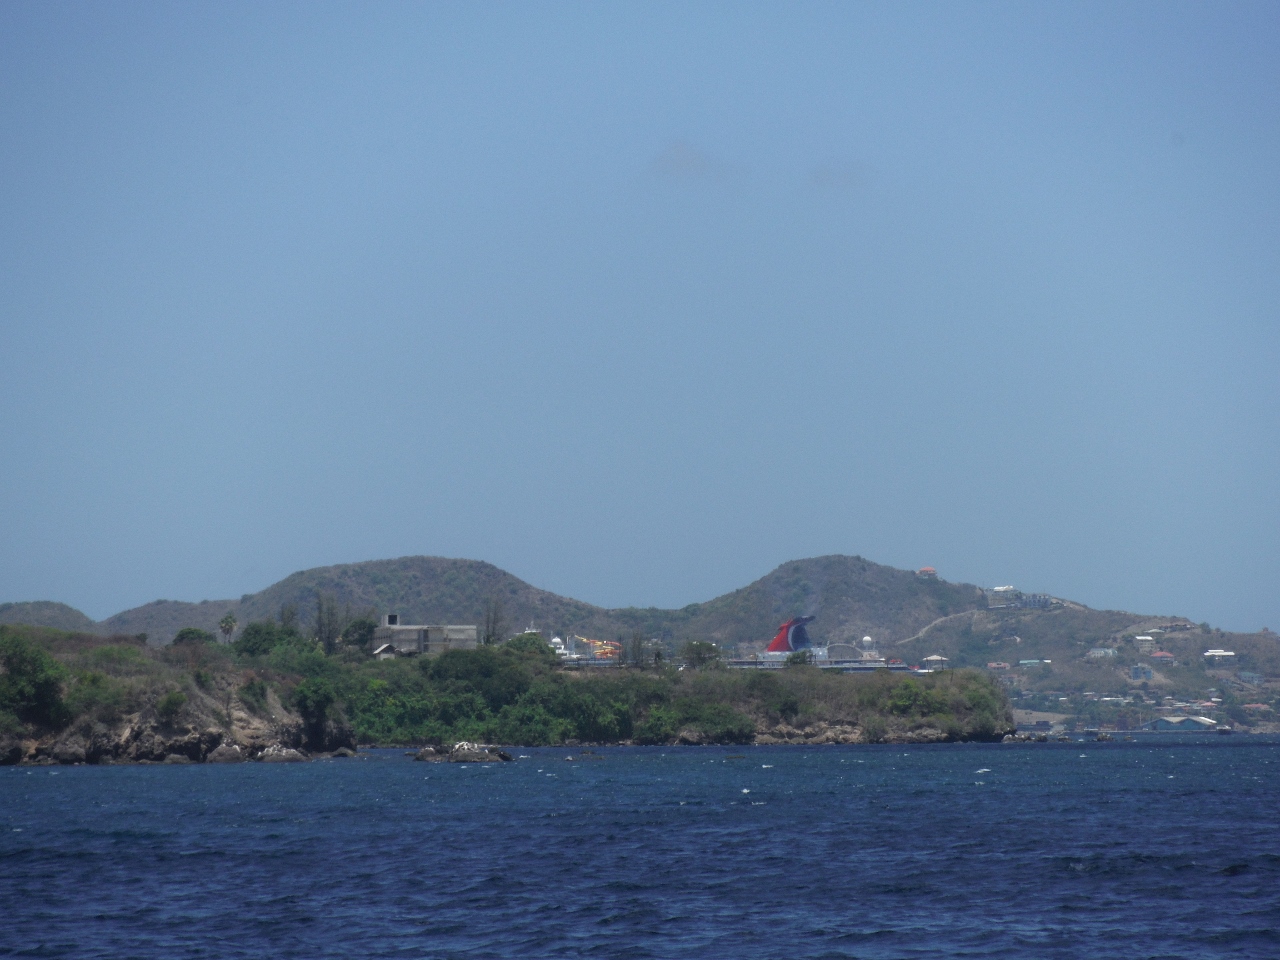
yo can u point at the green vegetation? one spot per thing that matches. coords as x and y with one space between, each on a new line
699 653
908 616
515 692
100 697
30 682
314 699
359 632
531 643
264 636
46 613
170 705
253 694
227 626
193 635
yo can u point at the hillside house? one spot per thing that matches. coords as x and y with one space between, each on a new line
1003 597
405 639
1000 597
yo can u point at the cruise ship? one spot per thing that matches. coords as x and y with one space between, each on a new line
841 657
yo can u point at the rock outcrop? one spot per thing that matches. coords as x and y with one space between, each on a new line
226 753
277 753
145 738
11 750
464 752
823 733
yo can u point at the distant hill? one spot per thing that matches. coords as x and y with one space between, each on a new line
47 613
908 616
850 596
420 589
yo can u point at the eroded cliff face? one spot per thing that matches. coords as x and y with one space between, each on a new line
213 725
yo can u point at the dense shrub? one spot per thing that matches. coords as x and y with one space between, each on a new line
193 635
263 636
313 698
253 694
531 644
30 682
496 675
699 653
359 632
118 660
170 705
305 658
703 721
101 697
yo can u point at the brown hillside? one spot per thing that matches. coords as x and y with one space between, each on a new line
46 613
850 596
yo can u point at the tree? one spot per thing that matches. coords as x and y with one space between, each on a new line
289 617
531 643
699 653
494 622
359 632
170 705
313 697
328 625
259 637
228 626
635 649
316 700
30 682
193 635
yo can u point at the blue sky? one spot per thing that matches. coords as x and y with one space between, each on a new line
638 301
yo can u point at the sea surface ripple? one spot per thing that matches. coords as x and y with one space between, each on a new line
1157 848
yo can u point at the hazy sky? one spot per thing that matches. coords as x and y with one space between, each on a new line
638 301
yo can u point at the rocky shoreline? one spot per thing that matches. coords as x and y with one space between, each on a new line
146 738
283 738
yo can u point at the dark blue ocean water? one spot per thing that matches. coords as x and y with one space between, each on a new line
1157 848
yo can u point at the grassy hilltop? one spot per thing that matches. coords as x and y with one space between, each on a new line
46 613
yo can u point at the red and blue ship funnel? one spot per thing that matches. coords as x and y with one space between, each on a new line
791 636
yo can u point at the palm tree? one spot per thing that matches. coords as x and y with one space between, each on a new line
228 626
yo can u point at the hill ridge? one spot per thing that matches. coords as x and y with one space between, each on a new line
852 596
